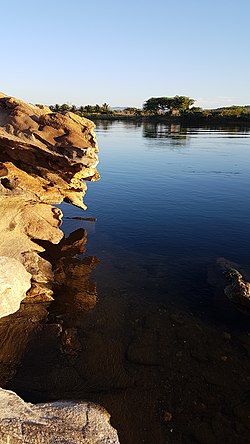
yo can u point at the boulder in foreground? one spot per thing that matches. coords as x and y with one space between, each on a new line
56 422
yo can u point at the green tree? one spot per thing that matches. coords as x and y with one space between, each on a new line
174 105
65 107
105 108
233 111
152 105
180 104
57 108
81 110
89 109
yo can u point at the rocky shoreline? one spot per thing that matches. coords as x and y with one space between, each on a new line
46 158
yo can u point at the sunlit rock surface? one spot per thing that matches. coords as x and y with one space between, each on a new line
44 158
55 422
45 155
14 283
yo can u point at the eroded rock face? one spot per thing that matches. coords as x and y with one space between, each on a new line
56 422
44 158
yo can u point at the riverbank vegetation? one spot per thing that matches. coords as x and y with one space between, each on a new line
160 108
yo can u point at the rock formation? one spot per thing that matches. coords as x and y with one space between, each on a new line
44 158
55 422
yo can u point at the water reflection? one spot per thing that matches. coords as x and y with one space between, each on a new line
75 292
46 329
176 133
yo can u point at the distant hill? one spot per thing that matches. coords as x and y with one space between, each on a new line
118 108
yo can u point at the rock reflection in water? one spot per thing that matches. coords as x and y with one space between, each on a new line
40 329
75 293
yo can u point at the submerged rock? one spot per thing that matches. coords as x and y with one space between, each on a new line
54 422
239 289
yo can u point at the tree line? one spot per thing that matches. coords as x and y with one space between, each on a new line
81 110
177 106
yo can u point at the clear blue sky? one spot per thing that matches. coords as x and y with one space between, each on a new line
123 52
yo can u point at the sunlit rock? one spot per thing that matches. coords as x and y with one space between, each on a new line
44 157
14 283
55 422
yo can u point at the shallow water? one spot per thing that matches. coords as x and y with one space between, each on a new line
140 323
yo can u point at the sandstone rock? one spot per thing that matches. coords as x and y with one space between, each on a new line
56 422
45 155
44 158
22 224
14 283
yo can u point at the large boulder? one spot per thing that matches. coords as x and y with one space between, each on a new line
55 422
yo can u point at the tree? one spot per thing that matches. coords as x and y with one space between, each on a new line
174 105
89 109
105 107
81 110
152 105
57 108
180 104
233 111
65 107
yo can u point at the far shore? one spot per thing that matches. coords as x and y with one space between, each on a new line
184 120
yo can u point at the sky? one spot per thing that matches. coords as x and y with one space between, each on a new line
123 52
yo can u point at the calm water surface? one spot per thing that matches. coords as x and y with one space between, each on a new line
171 200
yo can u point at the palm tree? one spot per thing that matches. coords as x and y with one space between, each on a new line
105 107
